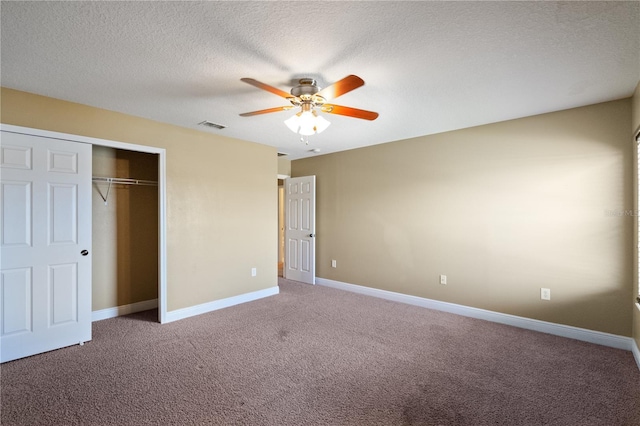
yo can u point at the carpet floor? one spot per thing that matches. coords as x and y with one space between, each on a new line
319 356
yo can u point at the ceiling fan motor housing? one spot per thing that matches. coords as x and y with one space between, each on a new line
305 93
306 86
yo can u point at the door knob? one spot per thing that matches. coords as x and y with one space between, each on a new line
84 252
312 235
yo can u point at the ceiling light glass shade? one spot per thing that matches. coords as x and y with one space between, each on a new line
321 124
307 123
292 123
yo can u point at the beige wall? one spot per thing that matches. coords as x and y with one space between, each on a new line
502 210
125 229
284 166
635 125
221 204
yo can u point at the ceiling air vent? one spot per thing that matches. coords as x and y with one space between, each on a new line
282 154
211 124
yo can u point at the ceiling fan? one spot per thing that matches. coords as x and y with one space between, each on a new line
308 96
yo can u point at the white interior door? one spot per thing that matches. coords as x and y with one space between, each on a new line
45 229
300 229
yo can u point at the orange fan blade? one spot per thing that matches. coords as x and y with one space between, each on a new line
266 111
341 87
266 87
349 112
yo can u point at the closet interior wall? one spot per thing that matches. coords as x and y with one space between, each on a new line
125 229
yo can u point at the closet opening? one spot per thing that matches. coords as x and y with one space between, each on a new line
125 231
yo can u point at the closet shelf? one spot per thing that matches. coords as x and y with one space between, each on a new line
120 181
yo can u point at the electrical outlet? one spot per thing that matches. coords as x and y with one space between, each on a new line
334 263
545 294
443 279
254 272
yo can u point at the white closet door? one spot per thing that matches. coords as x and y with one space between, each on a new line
45 227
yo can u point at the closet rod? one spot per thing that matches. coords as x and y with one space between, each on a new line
125 181
120 181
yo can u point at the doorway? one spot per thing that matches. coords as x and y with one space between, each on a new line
280 227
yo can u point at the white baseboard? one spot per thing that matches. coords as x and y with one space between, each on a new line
219 304
103 314
600 338
636 352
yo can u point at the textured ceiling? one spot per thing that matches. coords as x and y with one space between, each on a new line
429 67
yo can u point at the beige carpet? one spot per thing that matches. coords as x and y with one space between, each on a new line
319 356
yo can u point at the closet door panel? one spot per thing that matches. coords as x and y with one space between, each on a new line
46 239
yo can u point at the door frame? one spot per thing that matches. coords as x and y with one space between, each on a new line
162 194
281 222
284 221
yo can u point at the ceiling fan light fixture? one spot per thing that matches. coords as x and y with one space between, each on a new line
307 123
